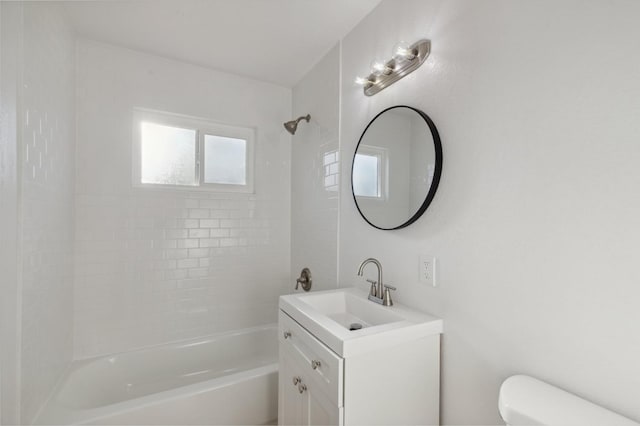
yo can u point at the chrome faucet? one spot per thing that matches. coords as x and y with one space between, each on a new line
379 292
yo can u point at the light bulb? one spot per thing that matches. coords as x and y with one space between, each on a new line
361 81
403 50
378 67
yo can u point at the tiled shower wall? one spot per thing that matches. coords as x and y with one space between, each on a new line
10 70
314 167
156 265
46 161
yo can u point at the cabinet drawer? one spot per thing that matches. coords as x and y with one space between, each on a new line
309 352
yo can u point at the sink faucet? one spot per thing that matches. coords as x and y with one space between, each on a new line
380 294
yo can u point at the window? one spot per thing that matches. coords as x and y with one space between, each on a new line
167 155
369 174
224 160
183 152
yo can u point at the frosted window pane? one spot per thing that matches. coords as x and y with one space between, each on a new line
225 160
168 155
366 175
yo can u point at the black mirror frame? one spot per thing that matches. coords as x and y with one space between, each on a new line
436 174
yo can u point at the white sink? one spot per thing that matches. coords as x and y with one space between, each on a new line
329 315
347 308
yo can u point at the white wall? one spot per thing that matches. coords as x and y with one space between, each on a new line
535 223
37 163
158 265
315 166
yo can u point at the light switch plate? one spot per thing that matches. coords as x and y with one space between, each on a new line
428 270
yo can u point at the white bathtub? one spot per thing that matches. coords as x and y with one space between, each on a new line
229 379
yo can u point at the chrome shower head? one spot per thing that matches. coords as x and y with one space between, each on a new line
292 126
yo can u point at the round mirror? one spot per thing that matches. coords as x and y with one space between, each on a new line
396 167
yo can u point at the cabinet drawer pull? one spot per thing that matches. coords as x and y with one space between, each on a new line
315 364
302 387
287 334
296 380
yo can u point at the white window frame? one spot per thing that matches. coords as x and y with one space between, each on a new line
202 127
383 178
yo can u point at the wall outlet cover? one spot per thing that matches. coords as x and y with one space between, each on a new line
428 270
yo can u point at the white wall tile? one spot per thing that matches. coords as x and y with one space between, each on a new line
10 72
47 195
160 265
314 219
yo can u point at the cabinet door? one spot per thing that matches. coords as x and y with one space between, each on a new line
305 349
318 410
290 410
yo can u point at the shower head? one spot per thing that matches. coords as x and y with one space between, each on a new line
292 126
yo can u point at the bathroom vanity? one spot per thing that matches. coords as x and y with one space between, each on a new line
334 373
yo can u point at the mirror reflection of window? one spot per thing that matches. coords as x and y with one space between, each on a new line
366 175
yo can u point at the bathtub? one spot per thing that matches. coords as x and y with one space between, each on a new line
230 379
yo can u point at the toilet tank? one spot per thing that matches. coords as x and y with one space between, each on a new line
528 401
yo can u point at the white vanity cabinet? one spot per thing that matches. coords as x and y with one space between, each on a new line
303 403
370 383
310 374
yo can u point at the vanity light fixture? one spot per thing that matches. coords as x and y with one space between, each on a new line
406 59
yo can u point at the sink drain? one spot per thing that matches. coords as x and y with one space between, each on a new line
355 326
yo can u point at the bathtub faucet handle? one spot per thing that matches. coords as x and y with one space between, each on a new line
296 380
305 279
286 334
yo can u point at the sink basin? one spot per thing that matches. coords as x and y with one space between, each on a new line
347 308
330 316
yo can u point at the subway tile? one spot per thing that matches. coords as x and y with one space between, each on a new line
210 204
235 223
175 254
209 223
176 274
190 243
196 273
198 233
218 233
176 233
209 242
199 214
199 252
169 244
188 223
228 242
188 263
219 214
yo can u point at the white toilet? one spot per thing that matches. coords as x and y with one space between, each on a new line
528 401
